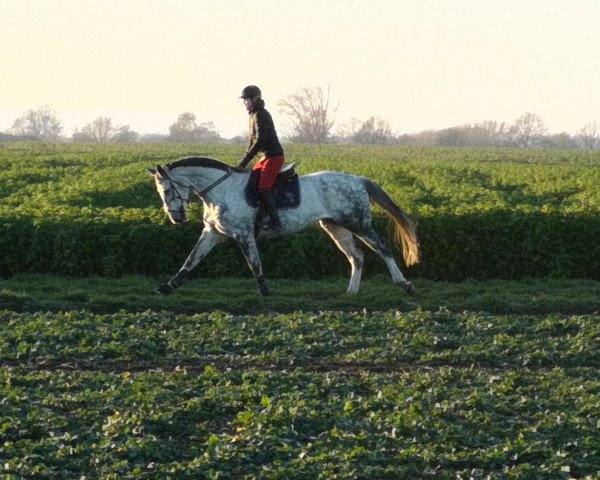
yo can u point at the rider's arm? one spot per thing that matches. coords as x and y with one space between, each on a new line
257 140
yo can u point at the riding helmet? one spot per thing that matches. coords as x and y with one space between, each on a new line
251 91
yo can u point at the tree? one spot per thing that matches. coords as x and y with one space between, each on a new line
154 138
492 133
345 131
587 136
41 123
186 130
559 140
124 134
309 113
240 139
102 130
374 130
459 136
527 130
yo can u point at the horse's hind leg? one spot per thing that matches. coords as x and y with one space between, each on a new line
372 240
250 251
344 239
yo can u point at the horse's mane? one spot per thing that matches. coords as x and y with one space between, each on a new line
194 161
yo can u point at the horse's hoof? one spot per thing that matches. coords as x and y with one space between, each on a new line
408 288
165 290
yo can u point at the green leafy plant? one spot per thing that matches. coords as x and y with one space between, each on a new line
481 213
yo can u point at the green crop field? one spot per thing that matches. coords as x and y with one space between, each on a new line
490 371
481 213
325 395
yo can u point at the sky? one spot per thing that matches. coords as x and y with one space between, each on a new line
419 64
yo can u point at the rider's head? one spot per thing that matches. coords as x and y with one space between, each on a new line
251 94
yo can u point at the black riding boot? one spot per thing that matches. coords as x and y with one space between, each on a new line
268 202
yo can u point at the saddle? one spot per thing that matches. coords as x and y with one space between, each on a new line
286 189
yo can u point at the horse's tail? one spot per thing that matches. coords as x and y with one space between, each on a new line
405 234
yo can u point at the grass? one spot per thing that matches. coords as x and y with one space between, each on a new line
238 295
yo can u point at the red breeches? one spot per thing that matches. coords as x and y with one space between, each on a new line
269 168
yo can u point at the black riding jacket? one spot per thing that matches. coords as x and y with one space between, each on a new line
263 137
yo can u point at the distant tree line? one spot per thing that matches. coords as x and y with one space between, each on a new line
309 117
43 124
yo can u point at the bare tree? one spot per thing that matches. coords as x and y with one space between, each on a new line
425 138
186 130
102 130
345 131
41 123
587 136
374 130
492 133
561 140
310 114
528 129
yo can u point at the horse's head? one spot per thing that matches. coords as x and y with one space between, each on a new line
174 195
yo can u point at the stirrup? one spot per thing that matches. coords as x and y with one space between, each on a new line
271 225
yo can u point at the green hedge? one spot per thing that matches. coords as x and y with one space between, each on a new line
481 213
496 245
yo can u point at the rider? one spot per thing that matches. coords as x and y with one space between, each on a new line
263 140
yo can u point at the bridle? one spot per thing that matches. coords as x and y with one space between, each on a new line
178 195
215 183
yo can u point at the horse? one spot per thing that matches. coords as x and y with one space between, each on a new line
339 202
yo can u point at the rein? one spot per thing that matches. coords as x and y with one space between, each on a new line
215 183
203 192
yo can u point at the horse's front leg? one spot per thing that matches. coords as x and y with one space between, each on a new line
250 251
205 244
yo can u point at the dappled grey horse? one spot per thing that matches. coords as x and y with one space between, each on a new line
339 202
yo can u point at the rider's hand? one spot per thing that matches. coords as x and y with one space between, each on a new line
242 164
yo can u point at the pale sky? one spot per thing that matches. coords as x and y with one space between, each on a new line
420 64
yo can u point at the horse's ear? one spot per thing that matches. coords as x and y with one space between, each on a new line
151 171
161 171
